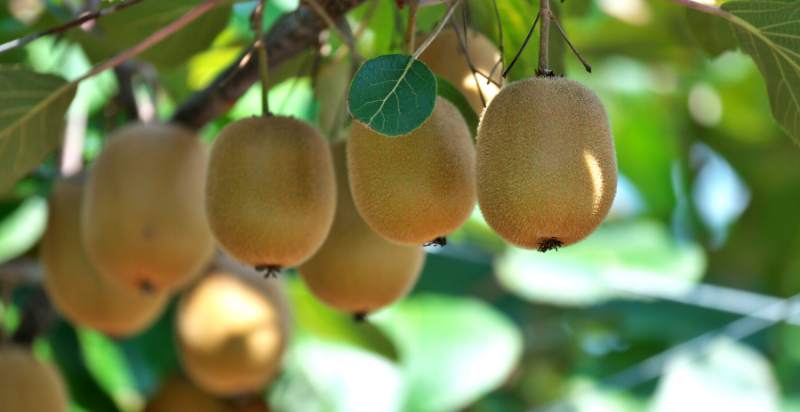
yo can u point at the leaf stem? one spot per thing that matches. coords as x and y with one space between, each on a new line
346 36
524 44
153 39
437 30
261 51
705 8
86 17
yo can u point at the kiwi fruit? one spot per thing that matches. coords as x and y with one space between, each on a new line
446 58
270 193
232 329
330 88
546 165
78 292
417 188
178 394
143 221
356 270
28 385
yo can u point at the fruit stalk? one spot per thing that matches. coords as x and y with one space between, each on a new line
544 39
261 50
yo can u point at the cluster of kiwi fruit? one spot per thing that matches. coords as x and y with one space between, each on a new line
352 216
546 170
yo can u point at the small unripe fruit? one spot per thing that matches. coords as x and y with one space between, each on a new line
415 188
177 394
76 289
547 169
271 193
356 270
232 330
28 385
142 217
446 58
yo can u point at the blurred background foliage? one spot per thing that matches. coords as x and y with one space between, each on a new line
704 230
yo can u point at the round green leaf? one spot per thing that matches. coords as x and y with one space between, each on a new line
392 94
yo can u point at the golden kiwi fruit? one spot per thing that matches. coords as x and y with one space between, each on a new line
232 329
142 217
417 188
76 289
356 270
445 57
546 165
178 394
330 88
28 385
270 193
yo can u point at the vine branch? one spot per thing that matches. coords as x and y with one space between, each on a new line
292 34
86 17
437 30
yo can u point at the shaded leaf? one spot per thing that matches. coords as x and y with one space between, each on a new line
20 230
452 350
713 34
449 92
32 108
392 94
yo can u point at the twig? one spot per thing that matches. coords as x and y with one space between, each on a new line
153 39
346 37
261 50
289 36
499 62
575 51
524 45
705 8
411 27
544 39
66 26
437 30
74 137
462 44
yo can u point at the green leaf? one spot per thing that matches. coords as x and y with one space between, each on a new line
20 230
616 260
119 31
32 108
449 92
769 32
327 377
713 34
316 320
107 364
392 94
452 350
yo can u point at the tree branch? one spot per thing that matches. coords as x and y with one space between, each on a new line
292 34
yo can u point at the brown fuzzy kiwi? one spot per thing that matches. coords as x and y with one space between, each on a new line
28 385
178 394
270 193
142 217
415 188
232 329
356 270
446 58
76 289
547 169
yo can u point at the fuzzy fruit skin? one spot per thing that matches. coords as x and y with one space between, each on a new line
232 328
414 188
271 192
78 291
444 56
356 270
28 385
546 162
142 218
177 394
